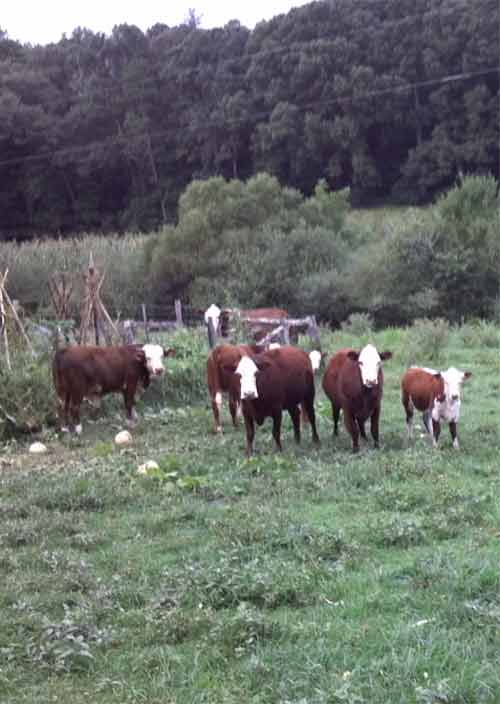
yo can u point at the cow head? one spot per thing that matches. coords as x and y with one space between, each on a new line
316 358
247 370
213 313
370 363
154 355
453 380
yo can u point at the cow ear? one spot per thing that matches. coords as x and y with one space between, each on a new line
169 352
229 368
261 363
386 355
140 356
353 355
437 375
467 375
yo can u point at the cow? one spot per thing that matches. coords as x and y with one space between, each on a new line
271 382
86 372
354 382
221 381
249 318
213 314
437 395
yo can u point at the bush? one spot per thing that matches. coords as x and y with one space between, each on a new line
27 400
429 335
358 324
479 334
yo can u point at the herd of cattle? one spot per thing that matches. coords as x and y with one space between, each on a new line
262 383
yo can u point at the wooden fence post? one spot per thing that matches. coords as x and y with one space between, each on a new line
178 313
286 331
145 320
128 332
212 336
313 332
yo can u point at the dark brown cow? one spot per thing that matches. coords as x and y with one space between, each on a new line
437 395
85 372
273 381
221 381
353 381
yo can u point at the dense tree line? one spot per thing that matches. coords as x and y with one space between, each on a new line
103 133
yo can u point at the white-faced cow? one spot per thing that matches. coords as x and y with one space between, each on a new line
220 381
85 372
436 395
273 381
212 314
353 381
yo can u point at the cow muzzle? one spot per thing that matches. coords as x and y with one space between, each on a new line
248 395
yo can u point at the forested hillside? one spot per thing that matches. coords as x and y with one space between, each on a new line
391 97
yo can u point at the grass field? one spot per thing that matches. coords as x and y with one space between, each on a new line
307 577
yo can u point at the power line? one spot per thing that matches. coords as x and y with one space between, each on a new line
292 50
252 117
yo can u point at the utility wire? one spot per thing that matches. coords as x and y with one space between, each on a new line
253 117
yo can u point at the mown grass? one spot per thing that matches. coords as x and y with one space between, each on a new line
313 576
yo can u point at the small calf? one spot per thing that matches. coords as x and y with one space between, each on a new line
437 395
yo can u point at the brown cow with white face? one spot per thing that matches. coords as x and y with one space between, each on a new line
221 381
85 372
437 395
271 382
354 382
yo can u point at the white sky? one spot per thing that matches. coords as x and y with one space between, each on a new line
44 21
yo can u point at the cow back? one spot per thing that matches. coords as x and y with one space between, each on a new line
85 369
287 381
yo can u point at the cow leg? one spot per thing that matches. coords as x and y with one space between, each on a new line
250 433
295 416
234 407
74 413
436 430
335 416
352 429
427 418
374 423
309 406
362 431
408 406
216 409
128 399
454 436
277 415
63 412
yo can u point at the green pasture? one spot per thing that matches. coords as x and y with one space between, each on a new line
307 577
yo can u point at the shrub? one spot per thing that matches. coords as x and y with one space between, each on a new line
479 334
429 336
358 324
26 395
